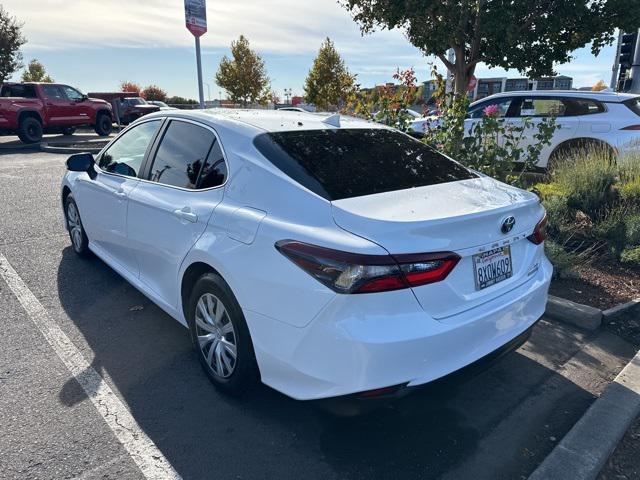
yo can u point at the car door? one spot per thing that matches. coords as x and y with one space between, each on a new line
103 201
170 209
79 111
532 110
57 105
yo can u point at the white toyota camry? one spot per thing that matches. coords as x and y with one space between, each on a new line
324 256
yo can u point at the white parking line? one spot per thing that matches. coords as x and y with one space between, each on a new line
139 446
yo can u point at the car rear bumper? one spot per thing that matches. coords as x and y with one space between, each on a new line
359 343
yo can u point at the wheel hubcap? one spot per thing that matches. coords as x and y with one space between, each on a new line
216 335
75 227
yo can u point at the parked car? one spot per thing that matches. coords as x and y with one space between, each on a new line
326 256
585 119
31 109
162 105
127 106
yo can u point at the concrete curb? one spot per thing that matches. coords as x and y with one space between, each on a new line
46 147
615 312
582 316
583 452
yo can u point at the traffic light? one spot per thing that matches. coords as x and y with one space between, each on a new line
628 45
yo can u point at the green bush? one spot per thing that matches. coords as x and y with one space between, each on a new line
633 230
587 178
630 191
631 255
563 261
612 229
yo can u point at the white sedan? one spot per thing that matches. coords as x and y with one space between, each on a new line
585 119
324 256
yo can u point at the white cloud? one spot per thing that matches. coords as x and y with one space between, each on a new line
278 27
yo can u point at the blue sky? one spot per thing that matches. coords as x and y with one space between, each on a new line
95 44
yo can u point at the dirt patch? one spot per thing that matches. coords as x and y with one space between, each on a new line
624 464
602 286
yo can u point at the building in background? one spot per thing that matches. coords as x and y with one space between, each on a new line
490 86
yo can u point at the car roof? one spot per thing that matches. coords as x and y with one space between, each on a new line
601 96
272 120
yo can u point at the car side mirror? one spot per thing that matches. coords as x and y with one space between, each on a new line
82 162
84 98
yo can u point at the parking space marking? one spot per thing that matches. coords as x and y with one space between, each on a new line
138 445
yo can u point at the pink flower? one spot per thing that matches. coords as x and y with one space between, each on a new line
491 111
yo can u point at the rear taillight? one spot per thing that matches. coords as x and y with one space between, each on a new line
345 272
540 232
631 127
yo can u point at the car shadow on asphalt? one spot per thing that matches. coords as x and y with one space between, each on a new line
148 358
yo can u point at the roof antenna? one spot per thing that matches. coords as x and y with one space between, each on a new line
333 120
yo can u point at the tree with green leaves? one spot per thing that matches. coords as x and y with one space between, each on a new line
329 83
35 72
530 36
11 40
244 76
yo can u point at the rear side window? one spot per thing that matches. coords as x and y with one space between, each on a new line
579 107
53 92
183 151
338 164
542 107
633 105
20 91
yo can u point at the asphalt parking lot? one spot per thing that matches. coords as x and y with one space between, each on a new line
500 424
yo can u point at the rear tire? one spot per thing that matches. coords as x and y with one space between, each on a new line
77 235
104 125
221 337
30 130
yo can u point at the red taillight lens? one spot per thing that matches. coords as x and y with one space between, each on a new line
540 232
631 127
345 272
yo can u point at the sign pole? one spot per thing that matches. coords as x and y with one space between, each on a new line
195 12
199 62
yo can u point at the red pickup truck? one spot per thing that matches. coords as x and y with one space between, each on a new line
31 109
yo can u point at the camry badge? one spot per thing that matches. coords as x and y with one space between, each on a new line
508 224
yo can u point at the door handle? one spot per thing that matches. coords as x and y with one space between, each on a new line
186 214
120 194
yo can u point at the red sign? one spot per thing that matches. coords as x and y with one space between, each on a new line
195 12
473 81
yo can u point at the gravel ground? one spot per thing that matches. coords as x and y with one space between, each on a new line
624 464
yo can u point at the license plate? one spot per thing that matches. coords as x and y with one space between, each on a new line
492 267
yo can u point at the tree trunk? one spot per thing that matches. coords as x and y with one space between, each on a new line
460 80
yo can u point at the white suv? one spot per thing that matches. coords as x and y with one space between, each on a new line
584 118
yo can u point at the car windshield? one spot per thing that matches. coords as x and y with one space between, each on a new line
346 163
160 104
135 101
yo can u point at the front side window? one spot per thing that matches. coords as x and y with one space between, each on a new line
72 94
346 163
125 156
183 151
53 92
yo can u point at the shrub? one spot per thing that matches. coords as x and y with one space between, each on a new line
631 255
587 178
632 223
630 191
563 261
612 228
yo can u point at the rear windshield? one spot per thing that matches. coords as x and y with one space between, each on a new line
633 105
23 91
338 164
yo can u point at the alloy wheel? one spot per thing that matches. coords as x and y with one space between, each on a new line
75 226
217 338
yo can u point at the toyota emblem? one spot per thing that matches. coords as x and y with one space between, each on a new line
508 224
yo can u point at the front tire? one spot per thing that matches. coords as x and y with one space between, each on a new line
30 130
78 236
104 125
221 337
